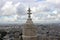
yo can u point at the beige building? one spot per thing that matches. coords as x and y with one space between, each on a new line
29 30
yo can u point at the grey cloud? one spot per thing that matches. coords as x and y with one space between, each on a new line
21 10
2 2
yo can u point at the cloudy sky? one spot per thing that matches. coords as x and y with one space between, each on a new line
43 11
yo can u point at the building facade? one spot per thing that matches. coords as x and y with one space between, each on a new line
29 30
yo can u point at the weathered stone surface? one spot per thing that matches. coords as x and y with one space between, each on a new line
29 30
29 38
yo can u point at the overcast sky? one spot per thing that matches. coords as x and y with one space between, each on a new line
43 11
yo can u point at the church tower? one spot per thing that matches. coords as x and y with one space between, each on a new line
29 30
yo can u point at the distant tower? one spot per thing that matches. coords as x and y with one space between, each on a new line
29 30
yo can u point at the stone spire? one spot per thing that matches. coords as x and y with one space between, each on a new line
29 20
29 13
29 29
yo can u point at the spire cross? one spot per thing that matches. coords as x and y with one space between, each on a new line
29 10
29 14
